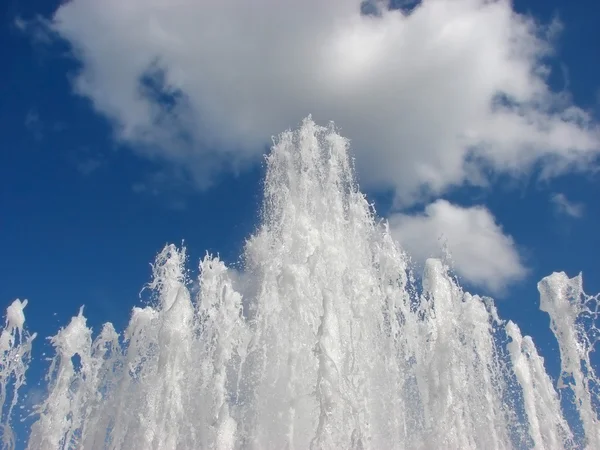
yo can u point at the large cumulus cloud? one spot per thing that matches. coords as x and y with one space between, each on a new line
427 97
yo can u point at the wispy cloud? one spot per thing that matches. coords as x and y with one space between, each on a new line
38 29
39 127
564 206
89 166
34 124
163 185
86 160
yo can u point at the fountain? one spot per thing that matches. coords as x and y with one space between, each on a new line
331 346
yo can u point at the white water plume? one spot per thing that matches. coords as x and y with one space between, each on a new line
15 354
332 347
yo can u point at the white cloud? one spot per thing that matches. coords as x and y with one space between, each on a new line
38 30
426 98
563 205
34 124
482 254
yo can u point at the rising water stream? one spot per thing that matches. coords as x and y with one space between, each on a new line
332 345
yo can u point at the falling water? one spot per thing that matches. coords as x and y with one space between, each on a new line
332 345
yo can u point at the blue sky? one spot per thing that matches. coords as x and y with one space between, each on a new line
90 192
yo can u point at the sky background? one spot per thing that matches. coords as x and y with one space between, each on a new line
124 128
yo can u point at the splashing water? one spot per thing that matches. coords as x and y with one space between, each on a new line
15 351
331 346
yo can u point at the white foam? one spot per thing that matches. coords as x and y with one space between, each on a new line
332 346
15 355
